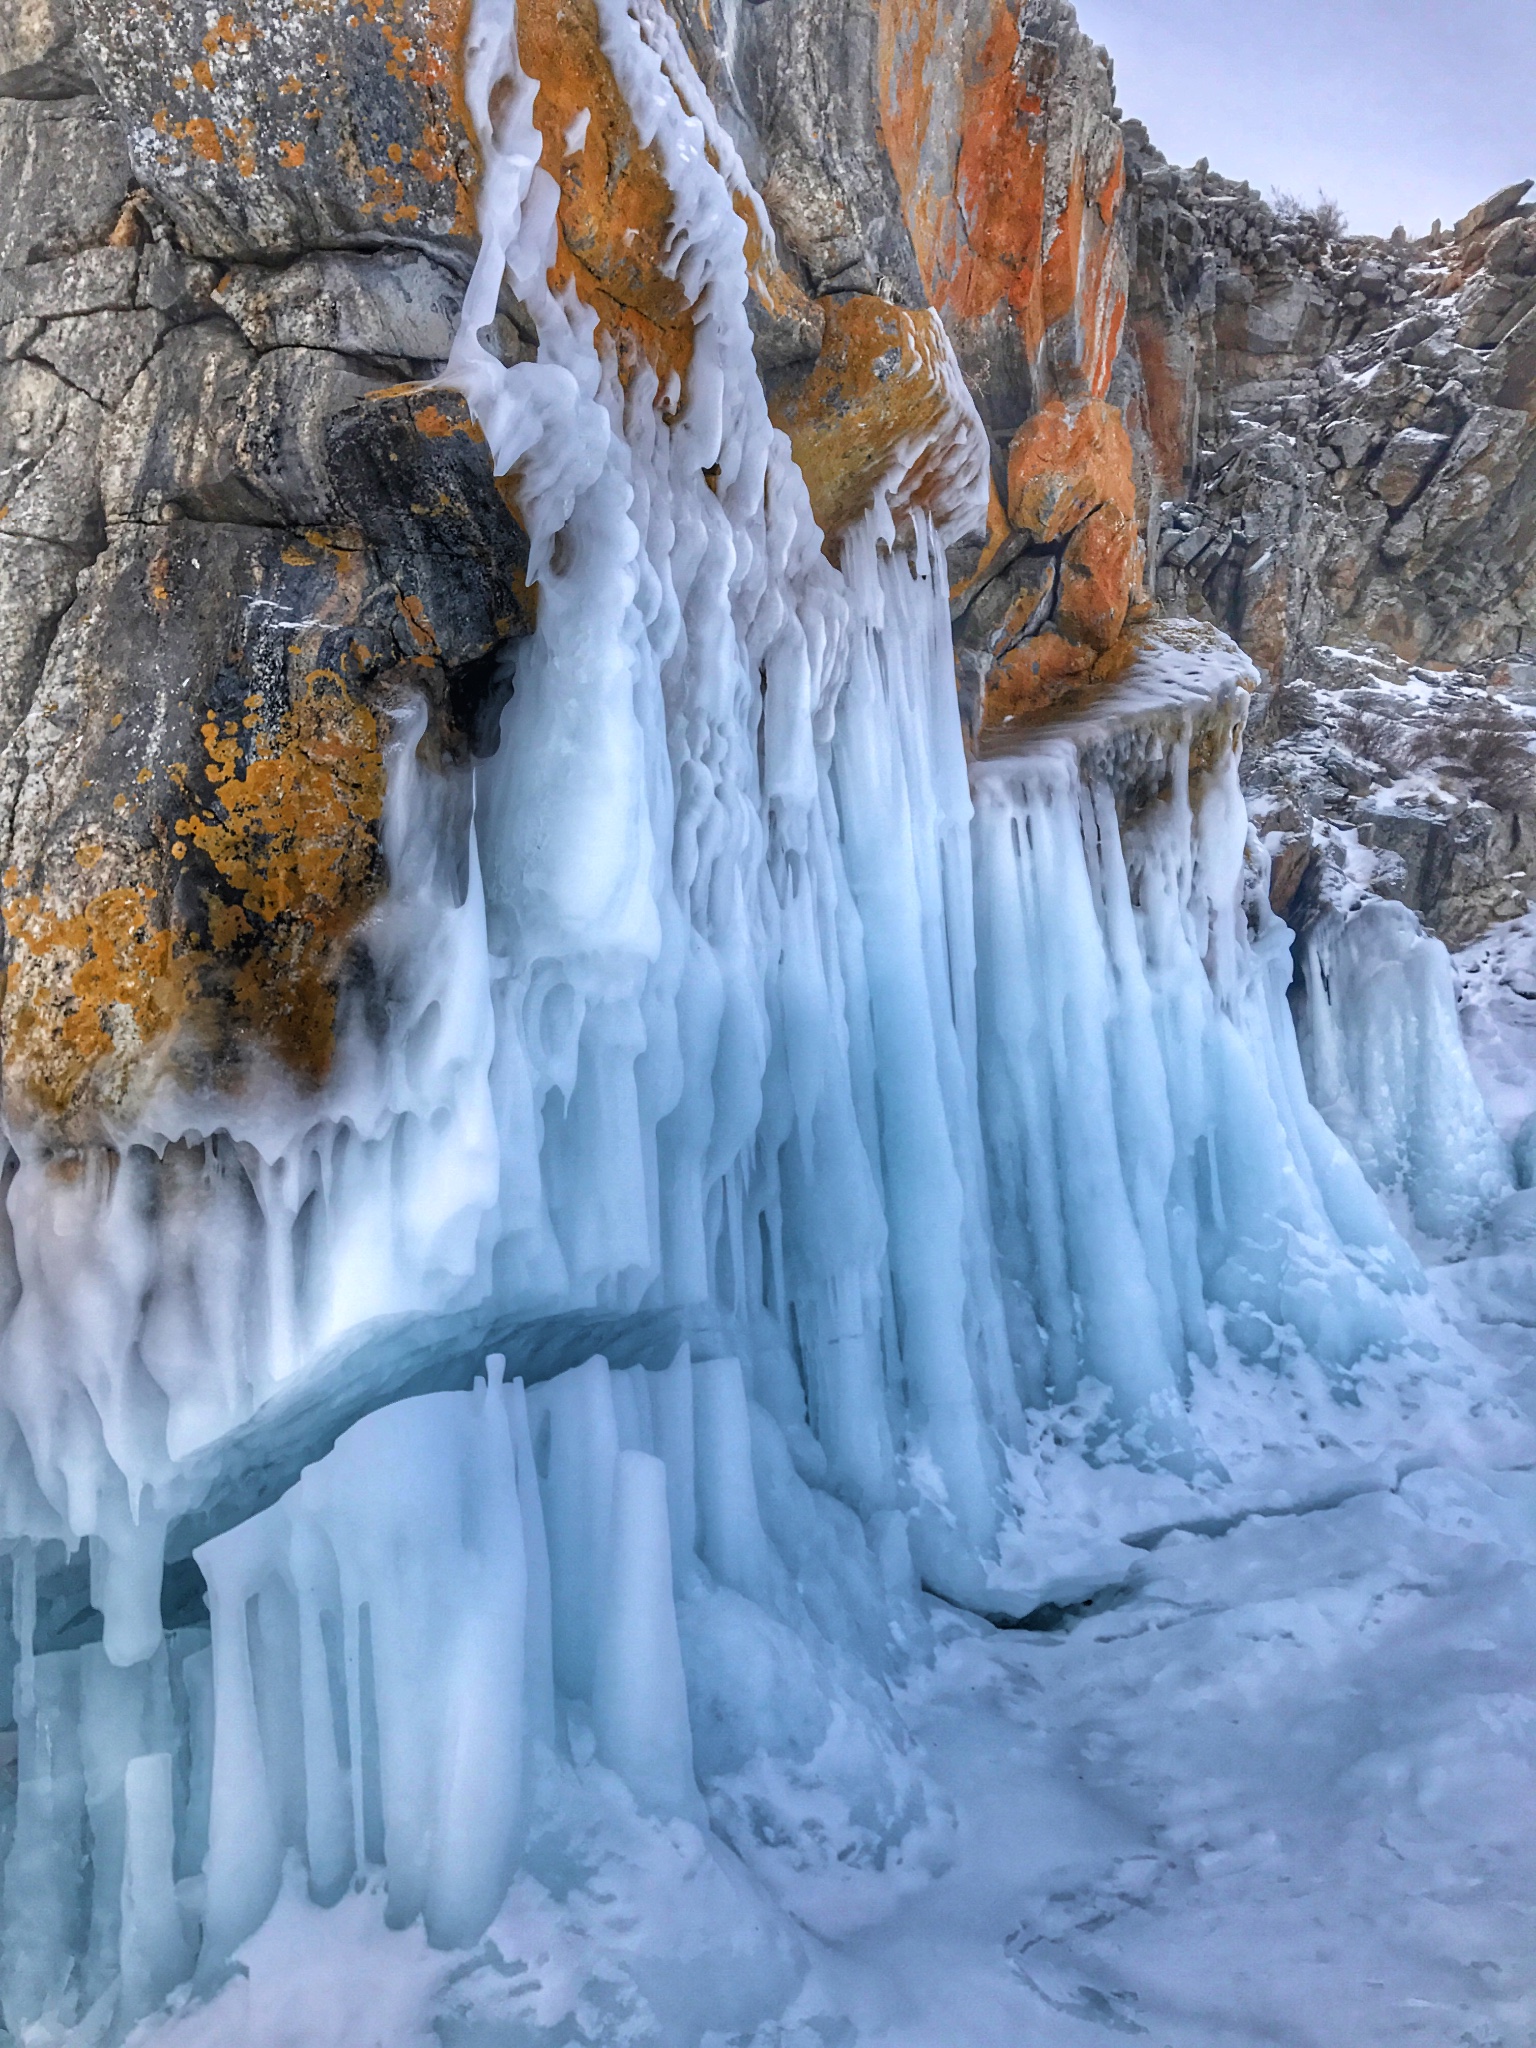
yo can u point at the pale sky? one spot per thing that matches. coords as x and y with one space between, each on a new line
1402 110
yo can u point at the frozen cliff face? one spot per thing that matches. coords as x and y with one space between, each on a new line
569 1151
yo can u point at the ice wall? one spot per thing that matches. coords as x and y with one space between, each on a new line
473 1601
1159 1176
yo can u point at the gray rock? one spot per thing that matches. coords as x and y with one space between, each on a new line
64 172
37 586
215 431
395 307
94 281
1407 464
1497 208
100 353
38 55
48 441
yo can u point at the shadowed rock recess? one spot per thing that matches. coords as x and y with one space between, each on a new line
625 632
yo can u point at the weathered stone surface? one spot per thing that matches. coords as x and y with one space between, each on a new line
1035 675
37 584
1334 435
287 128
807 78
1417 783
94 281
396 307
409 470
213 430
1009 163
196 911
48 441
64 172
884 406
100 353
196 831
1064 462
1407 463
1493 210
38 57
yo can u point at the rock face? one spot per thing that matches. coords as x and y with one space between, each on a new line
238 535
227 551
1338 435
1336 442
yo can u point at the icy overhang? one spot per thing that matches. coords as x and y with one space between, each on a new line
1188 683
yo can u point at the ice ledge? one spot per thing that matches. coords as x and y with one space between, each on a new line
1188 683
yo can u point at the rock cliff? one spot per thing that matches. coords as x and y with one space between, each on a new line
240 528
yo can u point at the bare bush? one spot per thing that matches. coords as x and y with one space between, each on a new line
1479 744
1324 216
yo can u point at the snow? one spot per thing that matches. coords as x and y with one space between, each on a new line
935 1150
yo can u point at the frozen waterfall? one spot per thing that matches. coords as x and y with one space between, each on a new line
722 993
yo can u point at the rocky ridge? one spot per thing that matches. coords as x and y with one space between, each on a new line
1336 440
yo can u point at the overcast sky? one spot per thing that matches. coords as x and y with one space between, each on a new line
1402 110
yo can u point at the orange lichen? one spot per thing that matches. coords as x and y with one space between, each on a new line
988 240
290 835
615 209
1066 460
1037 673
880 399
85 990
286 827
1100 567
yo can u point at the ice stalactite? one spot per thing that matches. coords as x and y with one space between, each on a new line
724 848
1153 1150
1382 1048
384 1692
165 1289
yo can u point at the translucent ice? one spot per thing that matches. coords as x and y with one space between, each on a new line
1385 1064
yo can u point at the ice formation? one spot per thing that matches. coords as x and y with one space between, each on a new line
718 987
1385 1062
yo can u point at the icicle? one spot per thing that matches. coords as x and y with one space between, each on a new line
578 1501
24 1621
639 1699
152 1945
671 1397
245 1847
1385 1063
538 1649
731 1539
46 1913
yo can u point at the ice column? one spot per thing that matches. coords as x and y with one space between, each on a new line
724 849
1385 1063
